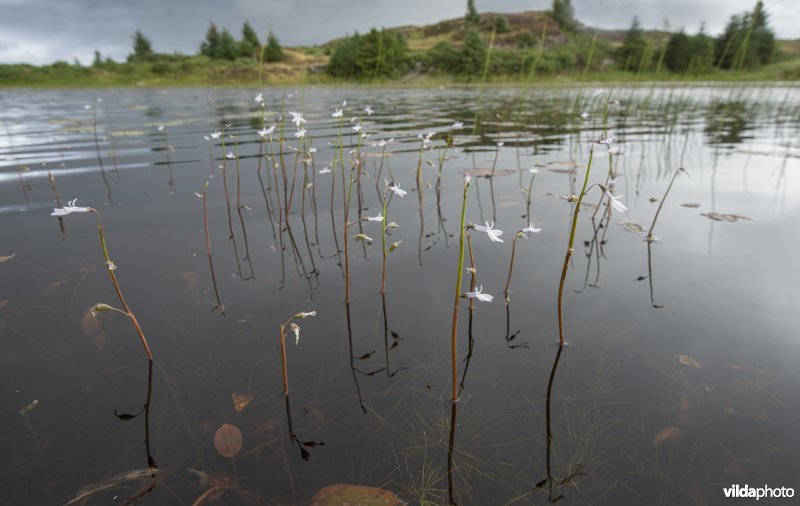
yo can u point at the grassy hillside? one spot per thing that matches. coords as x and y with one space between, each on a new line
514 47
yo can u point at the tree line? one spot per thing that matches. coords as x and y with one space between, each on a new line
218 45
746 43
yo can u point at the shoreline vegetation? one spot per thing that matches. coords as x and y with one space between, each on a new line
526 48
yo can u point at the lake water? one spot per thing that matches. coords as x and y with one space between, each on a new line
679 377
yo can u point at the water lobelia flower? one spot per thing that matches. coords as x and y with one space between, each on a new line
216 135
369 111
300 133
325 170
607 139
530 229
615 202
259 99
305 314
70 208
598 92
477 294
375 218
337 113
357 127
585 115
394 187
230 155
458 125
494 234
296 331
616 149
297 118
266 131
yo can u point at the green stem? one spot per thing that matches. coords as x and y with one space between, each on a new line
570 250
454 333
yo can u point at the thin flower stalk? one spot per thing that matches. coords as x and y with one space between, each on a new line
650 236
111 267
570 250
294 328
219 305
456 303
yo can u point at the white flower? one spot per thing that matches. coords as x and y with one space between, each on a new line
616 149
362 237
483 297
344 104
160 128
337 114
382 143
296 331
69 208
598 92
494 235
325 170
230 156
500 144
357 127
376 218
585 115
396 189
312 150
467 178
533 170
266 131
615 202
259 99
207 138
530 229
607 139
304 314
297 118
111 266
458 125
300 133
369 111
216 135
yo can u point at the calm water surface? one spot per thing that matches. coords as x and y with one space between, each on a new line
680 376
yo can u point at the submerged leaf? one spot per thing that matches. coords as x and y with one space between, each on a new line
343 493
666 434
228 440
687 360
189 280
241 401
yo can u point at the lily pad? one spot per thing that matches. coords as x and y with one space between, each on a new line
342 494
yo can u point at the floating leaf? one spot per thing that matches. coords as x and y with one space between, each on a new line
487 172
228 440
666 434
7 258
343 493
687 360
691 205
241 401
633 227
727 218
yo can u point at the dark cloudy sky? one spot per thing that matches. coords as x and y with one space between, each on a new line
42 31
